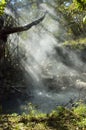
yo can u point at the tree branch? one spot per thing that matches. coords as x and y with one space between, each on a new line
9 30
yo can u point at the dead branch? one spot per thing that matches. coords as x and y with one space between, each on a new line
9 30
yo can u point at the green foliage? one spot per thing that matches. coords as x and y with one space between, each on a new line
78 5
81 112
59 119
2 6
55 113
72 18
76 44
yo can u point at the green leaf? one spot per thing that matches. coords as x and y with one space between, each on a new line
2 6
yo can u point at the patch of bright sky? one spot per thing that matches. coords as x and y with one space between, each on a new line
67 3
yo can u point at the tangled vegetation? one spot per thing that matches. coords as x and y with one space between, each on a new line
59 119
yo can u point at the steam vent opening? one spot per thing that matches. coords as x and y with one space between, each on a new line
42 55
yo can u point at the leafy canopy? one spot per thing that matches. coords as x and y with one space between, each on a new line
78 5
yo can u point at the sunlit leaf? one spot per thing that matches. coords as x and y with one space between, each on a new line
2 6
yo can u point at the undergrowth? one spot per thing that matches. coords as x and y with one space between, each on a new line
59 119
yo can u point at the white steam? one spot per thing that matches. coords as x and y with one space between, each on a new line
42 62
